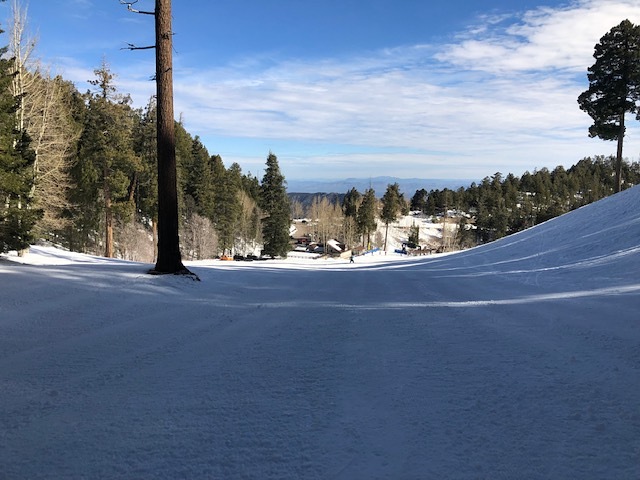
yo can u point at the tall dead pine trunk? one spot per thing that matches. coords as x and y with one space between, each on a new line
618 185
169 259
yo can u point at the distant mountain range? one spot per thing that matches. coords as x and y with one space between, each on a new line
408 186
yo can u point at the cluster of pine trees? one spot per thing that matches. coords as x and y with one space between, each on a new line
80 170
499 206
89 180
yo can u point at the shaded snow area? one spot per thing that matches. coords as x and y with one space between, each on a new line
518 359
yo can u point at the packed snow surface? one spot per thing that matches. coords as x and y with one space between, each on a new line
518 359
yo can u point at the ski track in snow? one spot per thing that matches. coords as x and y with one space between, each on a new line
518 359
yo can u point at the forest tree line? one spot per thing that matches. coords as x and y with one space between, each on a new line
79 169
114 187
493 208
92 184
500 205
91 181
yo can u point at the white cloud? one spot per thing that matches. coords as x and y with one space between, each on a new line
500 98
543 38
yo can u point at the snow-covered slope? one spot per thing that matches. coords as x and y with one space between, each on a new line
518 359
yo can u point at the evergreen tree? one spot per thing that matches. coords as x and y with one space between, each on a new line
404 205
367 217
185 163
614 86
391 207
201 184
419 200
251 186
237 203
414 234
226 206
107 162
350 204
275 206
430 206
249 227
145 149
17 217
143 190
84 208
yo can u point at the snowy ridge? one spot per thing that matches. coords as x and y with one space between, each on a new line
517 359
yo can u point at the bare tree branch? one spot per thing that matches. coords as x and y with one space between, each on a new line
131 9
129 5
131 46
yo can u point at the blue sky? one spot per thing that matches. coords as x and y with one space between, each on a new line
357 88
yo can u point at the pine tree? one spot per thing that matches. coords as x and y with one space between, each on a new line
350 204
367 216
17 218
275 206
226 206
614 86
391 207
107 162
414 234
419 200
147 188
201 183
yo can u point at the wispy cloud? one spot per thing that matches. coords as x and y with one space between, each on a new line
543 38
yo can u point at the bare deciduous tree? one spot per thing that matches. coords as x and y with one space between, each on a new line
200 239
327 219
248 229
45 115
297 209
135 242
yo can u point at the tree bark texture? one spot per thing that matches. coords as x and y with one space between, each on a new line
618 185
169 258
